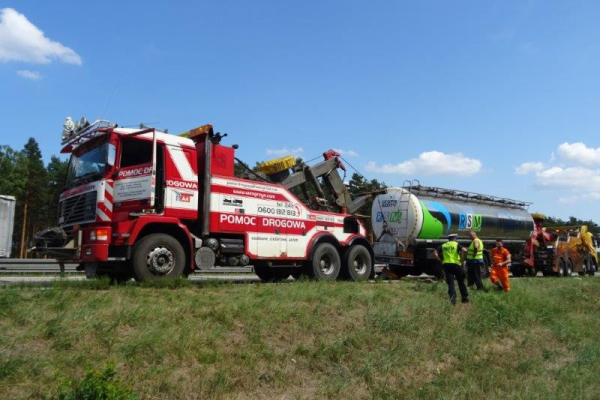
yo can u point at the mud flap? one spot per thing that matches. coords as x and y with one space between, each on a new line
90 270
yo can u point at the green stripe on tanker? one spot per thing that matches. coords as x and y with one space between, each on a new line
432 228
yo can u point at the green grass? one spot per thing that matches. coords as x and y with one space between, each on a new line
303 340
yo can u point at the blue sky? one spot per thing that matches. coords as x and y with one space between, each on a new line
455 94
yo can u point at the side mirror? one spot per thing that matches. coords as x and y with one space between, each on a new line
112 155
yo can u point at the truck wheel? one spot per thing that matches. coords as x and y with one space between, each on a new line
356 263
271 274
158 256
325 264
568 268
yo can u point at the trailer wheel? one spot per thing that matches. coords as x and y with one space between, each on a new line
357 263
325 264
158 256
590 267
271 274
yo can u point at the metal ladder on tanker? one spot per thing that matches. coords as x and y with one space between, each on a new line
403 206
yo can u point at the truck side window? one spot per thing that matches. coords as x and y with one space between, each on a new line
135 152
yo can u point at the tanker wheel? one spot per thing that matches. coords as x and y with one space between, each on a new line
271 274
325 264
434 268
158 256
357 263
485 266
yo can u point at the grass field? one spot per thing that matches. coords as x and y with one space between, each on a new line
305 340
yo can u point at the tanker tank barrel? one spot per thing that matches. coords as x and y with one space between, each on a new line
425 215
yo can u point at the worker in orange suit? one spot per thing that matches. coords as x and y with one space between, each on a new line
501 260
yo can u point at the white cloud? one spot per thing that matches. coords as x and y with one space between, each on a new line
582 197
33 75
579 153
347 153
575 178
569 178
285 152
528 167
20 40
431 163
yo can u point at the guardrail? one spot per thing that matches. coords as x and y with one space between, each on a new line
40 266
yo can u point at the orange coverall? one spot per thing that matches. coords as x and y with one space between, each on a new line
500 273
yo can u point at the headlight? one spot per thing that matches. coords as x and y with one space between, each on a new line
100 234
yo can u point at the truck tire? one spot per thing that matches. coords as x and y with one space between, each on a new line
590 267
158 256
325 264
357 263
568 268
271 274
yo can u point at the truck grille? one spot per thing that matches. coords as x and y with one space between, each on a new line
78 209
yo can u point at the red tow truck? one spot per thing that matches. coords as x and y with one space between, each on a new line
150 205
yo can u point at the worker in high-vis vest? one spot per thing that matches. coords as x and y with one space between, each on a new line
475 262
451 262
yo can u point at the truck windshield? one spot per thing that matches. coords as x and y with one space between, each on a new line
87 167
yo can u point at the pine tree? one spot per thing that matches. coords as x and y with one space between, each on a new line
13 180
56 174
13 170
34 198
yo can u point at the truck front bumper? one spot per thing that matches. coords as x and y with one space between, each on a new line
94 252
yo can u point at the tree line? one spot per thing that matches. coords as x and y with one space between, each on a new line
37 187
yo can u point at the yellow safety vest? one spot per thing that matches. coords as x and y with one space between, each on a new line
471 253
450 253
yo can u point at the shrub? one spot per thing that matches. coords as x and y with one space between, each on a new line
96 385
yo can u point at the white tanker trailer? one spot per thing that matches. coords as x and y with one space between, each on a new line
410 222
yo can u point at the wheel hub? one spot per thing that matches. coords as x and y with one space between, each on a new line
327 266
360 266
160 261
